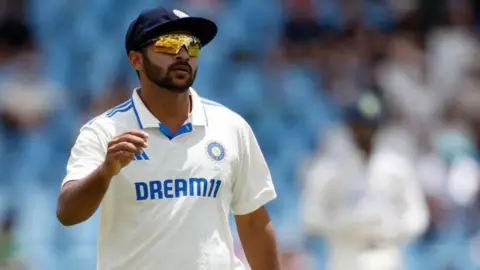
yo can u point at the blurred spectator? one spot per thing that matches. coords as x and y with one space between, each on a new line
300 31
205 7
410 96
452 50
28 102
403 7
348 69
22 81
452 151
12 9
364 199
450 176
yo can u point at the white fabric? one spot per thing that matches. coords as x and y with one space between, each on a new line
454 184
186 227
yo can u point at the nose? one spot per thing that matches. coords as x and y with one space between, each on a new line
183 54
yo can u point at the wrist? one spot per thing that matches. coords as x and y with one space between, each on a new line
105 173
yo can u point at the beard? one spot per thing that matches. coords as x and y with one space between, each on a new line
167 78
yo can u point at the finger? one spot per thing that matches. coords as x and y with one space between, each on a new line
138 133
125 146
138 141
124 155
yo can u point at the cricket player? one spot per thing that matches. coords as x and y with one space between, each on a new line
363 196
167 166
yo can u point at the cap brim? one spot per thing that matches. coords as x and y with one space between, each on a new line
202 28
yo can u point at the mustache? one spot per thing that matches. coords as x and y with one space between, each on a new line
181 65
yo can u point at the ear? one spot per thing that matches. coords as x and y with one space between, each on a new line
136 60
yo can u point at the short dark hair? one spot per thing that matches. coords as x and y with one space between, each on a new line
142 51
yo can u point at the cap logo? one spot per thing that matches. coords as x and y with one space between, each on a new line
180 14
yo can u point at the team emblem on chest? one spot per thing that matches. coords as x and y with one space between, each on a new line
216 151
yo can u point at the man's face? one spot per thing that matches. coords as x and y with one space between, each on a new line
172 72
363 134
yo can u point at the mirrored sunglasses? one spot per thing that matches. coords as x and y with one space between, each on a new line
173 43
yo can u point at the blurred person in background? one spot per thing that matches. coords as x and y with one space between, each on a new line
12 9
301 31
22 81
452 47
364 199
426 61
410 97
450 175
28 103
348 68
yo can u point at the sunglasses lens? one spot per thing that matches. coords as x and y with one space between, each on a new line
171 44
194 50
166 49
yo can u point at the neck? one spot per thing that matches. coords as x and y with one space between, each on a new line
167 106
366 149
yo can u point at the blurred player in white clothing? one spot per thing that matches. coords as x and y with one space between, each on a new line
364 200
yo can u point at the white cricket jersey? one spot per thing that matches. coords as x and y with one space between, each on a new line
169 208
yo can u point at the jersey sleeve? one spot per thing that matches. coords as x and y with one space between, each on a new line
253 185
87 154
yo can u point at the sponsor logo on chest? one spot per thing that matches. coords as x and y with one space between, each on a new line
180 187
176 188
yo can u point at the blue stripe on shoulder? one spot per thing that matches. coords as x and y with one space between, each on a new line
130 106
124 105
120 106
211 102
91 121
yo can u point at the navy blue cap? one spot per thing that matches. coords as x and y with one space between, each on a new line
157 21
